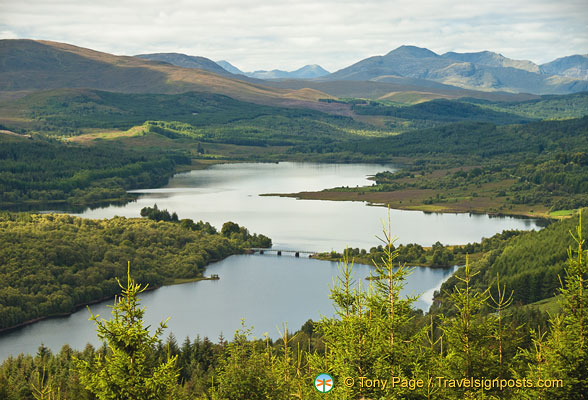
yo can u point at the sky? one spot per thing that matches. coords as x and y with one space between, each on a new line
268 34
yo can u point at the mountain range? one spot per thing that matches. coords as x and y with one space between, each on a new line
480 71
306 72
406 75
227 69
484 70
31 65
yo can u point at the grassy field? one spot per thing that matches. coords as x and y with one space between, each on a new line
562 213
490 197
415 199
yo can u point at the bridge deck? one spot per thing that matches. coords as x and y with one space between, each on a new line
256 249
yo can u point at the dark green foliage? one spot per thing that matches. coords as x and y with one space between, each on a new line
128 370
156 214
440 110
98 109
563 354
532 274
45 171
412 254
240 233
229 228
547 107
247 369
483 139
373 330
51 264
538 163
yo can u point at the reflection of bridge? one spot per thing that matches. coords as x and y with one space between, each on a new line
280 251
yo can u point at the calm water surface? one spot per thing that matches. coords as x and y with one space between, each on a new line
267 290
230 192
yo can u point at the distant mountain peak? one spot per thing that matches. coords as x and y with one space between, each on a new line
574 66
306 72
311 71
230 67
492 59
412 51
186 61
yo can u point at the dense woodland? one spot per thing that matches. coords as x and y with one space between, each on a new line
438 111
478 349
533 275
538 163
51 264
412 254
45 171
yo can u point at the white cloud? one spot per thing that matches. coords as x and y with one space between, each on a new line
265 34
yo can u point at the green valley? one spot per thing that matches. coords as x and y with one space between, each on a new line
102 135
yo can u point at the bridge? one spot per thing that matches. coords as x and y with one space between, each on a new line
279 252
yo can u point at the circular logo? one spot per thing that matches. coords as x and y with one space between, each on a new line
323 383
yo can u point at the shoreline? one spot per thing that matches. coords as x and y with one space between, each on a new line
376 200
365 262
78 307
197 164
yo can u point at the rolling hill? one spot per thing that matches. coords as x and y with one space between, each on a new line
29 65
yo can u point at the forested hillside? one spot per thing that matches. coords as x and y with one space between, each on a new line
68 111
440 111
530 263
547 107
483 140
51 263
37 171
530 169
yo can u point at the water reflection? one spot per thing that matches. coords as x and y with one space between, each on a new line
230 192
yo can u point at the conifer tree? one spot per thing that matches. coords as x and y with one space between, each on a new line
467 337
371 335
42 388
502 328
129 370
248 371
